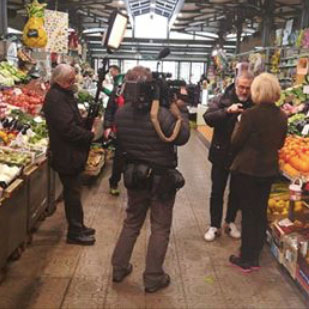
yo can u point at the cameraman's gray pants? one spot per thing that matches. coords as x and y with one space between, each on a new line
161 220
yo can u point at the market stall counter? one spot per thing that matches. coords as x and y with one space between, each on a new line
36 178
13 220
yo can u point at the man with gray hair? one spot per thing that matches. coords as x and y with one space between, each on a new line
222 115
69 145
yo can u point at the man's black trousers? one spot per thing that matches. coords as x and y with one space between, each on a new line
219 177
117 168
252 193
72 186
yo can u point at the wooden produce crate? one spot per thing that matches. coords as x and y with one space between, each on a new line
13 219
37 186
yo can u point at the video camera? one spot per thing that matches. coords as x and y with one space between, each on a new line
142 93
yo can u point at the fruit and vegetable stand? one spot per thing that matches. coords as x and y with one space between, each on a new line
288 205
13 220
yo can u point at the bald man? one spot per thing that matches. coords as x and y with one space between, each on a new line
69 145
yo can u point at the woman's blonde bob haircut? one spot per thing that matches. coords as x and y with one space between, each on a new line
265 89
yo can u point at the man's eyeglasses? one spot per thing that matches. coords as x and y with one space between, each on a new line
242 88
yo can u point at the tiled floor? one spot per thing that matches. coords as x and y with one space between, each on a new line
52 274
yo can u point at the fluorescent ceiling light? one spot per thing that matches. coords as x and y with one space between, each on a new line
210 34
94 35
93 30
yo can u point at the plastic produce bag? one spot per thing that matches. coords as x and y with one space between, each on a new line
34 34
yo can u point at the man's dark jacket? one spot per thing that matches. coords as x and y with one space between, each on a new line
69 140
139 140
223 123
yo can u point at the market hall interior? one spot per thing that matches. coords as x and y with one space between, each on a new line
53 274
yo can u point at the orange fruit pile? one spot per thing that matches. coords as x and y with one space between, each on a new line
294 156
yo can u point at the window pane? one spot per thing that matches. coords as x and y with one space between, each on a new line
197 71
128 64
114 62
152 65
151 26
185 71
171 67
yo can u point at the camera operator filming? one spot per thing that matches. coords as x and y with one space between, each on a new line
147 136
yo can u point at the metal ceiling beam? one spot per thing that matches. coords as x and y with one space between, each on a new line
165 42
4 18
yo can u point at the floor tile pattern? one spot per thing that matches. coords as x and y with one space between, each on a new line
52 274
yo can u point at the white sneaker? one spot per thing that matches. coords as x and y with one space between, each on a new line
231 229
212 233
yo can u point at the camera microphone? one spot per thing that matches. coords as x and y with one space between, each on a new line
164 53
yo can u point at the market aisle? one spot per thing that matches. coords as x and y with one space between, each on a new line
51 274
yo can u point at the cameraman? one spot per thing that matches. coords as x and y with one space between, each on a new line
150 173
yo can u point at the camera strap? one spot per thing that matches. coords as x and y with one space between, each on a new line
154 119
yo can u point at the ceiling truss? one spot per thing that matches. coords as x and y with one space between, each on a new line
207 19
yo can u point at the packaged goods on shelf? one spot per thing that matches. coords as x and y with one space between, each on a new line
290 252
278 202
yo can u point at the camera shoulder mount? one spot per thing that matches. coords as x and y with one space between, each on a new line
154 119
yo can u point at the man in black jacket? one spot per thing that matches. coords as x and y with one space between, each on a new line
222 115
115 101
149 178
69 146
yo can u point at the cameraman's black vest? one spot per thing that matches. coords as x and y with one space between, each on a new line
138 138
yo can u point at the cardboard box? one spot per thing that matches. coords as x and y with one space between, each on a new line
276 251
280 229
290 253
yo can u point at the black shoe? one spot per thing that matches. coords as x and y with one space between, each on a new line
119 275
241 265
161 285
82 239
88 231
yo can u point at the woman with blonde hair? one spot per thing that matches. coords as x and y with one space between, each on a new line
255 143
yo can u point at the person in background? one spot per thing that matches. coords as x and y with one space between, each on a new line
222 116
115 101
151 179
87 80
68 152
255 142
113 71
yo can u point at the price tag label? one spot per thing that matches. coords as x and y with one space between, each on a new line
305 130
306 89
